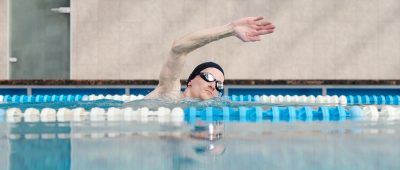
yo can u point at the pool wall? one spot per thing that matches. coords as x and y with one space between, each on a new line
229 90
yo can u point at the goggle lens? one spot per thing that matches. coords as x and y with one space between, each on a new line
210 78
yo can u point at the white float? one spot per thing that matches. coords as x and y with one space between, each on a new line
48 115
79 114
177 114
97 114
163 114
31 115
64 115
303 99
311 99
131 115
279 99
390 112
13 112
114 114
343 100
371 112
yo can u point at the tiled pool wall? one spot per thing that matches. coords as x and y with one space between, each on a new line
229 90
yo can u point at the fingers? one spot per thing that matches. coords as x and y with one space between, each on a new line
259 32
267 27
263 23
258 18
262 32
252 28
259 21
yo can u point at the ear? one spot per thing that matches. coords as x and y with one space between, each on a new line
190 83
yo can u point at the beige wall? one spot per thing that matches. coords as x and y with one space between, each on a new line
3 39
314 39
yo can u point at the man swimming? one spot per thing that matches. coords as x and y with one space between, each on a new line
206 80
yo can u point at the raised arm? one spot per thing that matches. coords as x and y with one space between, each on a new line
246 29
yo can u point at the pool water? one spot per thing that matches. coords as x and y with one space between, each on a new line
264 145
205 138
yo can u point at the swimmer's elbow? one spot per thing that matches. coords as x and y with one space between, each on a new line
180 47
177 48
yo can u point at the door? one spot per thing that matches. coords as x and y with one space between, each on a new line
39 39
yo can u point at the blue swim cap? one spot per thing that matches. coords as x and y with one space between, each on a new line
201 67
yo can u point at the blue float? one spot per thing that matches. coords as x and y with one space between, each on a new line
7 98
225 113
39 98
355 112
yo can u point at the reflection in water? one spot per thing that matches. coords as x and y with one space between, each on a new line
210 149
135 145
36 146
210 132
207 131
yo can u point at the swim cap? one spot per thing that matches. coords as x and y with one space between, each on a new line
203 66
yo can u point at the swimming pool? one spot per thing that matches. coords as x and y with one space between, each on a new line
238 132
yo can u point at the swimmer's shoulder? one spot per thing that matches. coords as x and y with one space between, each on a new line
156 94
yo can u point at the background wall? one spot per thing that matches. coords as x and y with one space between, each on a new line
3 39
314 39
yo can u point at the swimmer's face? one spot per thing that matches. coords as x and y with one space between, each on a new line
199 88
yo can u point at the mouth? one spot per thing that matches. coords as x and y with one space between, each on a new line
209 92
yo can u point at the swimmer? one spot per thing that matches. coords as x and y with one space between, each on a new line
206 80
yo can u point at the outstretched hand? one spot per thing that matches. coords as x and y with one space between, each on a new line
251 28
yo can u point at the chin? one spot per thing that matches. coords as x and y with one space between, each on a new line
206 96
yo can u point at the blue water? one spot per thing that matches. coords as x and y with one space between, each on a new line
198 143
134 145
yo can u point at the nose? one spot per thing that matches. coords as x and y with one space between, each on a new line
211 85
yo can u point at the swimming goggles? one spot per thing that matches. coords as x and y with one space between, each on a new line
210 78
